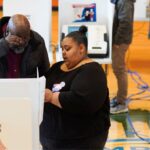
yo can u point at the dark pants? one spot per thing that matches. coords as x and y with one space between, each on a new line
119 69
94 143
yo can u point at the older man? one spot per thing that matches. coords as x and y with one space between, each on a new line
22 50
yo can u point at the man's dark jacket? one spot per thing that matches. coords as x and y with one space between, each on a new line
35 56
123 22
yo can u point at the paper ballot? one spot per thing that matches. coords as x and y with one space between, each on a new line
21 112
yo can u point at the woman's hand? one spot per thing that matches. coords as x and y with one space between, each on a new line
48 95
52 98
116 46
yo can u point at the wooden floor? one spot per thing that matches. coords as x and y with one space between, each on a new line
125 128
122 135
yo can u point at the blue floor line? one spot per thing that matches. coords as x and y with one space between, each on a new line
127 140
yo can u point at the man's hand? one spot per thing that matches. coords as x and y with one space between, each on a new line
14 40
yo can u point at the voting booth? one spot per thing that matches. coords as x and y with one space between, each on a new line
97 15
21 112
37 11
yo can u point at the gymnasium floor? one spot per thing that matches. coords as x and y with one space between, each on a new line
129 130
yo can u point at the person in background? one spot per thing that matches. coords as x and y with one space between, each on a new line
76 112
22 50
122 38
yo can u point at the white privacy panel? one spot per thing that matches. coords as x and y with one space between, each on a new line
21 112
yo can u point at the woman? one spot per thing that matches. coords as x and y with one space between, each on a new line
76 113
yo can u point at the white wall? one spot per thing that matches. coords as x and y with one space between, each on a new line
104 11
140 10
103 8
